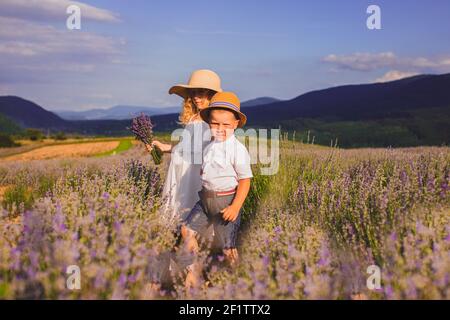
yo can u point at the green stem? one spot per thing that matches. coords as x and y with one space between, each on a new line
156 155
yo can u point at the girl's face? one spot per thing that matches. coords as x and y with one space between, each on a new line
201 97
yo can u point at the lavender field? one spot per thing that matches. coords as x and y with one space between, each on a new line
308 232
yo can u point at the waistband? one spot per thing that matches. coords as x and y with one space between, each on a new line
212 193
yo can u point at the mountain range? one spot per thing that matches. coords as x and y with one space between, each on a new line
122 112
410 111
26 114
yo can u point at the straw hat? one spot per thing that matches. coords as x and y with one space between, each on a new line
225 100
200 79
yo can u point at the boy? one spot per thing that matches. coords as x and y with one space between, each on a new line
225 176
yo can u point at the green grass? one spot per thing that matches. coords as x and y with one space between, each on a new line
17 195
259 187
123 146
25 193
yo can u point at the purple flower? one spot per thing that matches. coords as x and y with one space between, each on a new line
92 215
447 238
99 281
393 237
444 188
430 185
324 255
117 226
58 221
403 176
142 128
389 292
265 261
122 280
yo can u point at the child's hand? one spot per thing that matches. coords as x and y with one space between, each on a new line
162 146
230 213
149 147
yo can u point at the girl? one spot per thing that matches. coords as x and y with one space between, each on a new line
182 182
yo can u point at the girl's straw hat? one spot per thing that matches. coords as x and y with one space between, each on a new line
200 79
225 100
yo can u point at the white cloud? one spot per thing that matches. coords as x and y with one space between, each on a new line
362 61
101 96
45 10
89 106
374 61
395 75
29 38
31 46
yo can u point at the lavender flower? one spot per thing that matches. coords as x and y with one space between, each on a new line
142 128
311 238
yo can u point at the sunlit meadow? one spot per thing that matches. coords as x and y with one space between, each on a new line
308 232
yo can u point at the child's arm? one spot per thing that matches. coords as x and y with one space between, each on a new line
164 147
231 212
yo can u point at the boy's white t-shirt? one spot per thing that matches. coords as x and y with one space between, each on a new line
224 164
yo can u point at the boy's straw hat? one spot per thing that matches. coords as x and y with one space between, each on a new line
200 79
225 100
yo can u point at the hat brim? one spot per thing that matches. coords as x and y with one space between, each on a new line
242 117
183 89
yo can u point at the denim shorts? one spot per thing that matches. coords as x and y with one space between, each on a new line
206 212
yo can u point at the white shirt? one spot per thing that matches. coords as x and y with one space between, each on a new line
224 164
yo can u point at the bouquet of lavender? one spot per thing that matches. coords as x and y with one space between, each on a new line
142 128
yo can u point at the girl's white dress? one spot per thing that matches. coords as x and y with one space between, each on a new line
180 192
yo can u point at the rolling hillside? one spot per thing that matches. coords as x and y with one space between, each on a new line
30 115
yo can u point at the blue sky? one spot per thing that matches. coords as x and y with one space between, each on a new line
131 52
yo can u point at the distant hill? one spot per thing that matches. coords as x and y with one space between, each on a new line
30 115
115 113
360 102
258 101
406 112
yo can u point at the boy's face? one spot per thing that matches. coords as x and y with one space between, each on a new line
222 124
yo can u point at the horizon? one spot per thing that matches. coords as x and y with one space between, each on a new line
255 98
132 55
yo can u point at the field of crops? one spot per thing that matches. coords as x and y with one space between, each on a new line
70 148
308 232
64 151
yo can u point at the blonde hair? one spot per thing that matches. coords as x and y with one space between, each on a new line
189 109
